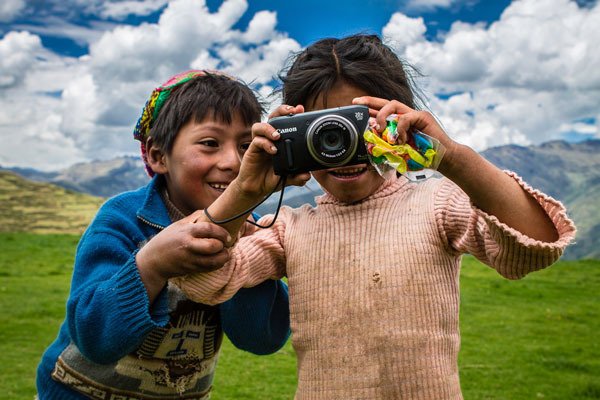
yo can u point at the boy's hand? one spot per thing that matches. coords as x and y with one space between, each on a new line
184 247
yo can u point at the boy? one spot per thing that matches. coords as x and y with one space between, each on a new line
128 333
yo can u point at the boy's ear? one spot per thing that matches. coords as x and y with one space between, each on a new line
156 157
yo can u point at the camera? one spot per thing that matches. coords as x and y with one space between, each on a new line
320 139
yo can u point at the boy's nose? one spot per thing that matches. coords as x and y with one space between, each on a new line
230 160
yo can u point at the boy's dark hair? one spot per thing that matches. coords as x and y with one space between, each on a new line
361 60
214 96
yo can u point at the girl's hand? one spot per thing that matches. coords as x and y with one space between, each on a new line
256 177
255 180
285 109
408 120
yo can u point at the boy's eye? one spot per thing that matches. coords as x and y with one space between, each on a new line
210 143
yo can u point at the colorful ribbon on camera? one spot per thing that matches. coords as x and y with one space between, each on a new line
416 154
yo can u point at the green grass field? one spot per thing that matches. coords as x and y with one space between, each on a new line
531 339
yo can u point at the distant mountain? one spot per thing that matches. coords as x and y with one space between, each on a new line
562 170
570 172
98 178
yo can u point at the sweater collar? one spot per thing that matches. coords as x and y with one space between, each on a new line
153 210
388 187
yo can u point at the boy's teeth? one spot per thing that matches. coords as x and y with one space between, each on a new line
219 186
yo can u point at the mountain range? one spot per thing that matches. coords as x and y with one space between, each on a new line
569 172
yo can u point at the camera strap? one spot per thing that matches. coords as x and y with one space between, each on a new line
281 182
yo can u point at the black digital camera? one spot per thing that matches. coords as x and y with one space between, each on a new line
320 139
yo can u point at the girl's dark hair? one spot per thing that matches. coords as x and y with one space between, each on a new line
211 95
360 60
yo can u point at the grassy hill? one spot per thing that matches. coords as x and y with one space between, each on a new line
530 339
27 206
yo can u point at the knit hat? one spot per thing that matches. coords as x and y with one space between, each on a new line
157 99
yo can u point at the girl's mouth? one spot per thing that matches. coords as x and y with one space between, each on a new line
348 172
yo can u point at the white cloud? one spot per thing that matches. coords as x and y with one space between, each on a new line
403 31
261 27
89 105
18 51
581 128
123 9
185 30
31 133
258 64
429 4
9 9
58 27
529 77
515 81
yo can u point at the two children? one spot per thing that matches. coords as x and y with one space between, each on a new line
128 333
373 269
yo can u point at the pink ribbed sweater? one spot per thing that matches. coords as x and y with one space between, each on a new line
374 286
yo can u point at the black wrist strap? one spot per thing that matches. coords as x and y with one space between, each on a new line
282 180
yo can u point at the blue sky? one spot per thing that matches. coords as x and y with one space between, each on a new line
495 72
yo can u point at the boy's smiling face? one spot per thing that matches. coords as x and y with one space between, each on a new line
353 183
204 159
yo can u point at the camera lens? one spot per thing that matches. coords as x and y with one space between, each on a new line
332 140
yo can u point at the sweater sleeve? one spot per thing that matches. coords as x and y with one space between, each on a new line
258 319
467 229
108 310
254 259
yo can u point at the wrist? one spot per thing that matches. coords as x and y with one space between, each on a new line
147 271
454 156
236 199
245 191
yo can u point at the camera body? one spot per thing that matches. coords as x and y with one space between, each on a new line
321 139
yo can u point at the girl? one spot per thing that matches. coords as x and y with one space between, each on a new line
373 269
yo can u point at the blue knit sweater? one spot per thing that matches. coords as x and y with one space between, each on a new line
108 312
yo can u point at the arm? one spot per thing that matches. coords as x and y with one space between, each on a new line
258 319
468 229
487 187
111 309
254 259
108 311
498 194
183 247
256 178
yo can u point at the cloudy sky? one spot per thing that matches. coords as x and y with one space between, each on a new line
74 74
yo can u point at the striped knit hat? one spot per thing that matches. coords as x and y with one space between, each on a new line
157 99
